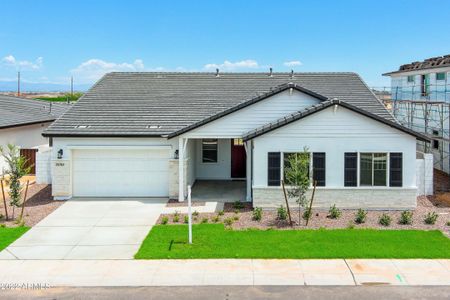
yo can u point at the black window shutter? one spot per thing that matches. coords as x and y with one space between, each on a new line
396 169
319 168
273 168
351 169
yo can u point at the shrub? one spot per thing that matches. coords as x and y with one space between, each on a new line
215 219
360 217
350 225
406 217
176 213
221 213
164 220
385 220
431 218
306 214
1 217
2 225
238 205
176 218
228 221
236 217
195 213
281 213
334 212
236 211
204 220
257 213
448 223
186 219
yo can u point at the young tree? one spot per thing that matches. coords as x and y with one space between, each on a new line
16 169
296 174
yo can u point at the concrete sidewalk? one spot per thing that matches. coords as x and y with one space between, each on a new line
226 272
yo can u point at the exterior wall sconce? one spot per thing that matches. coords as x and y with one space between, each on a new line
60 153
175 155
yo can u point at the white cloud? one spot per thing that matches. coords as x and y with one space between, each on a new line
292 63
231 66
92 69
11 61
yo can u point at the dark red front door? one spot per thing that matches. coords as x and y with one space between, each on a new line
30 155
238 156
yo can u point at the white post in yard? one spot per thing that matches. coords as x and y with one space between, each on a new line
189 214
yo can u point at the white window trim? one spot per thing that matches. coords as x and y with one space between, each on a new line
210 163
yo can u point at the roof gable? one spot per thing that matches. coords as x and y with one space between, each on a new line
319 107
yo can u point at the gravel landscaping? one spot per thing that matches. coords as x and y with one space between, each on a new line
243 218
38 206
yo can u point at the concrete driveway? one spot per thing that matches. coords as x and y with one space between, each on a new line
85 228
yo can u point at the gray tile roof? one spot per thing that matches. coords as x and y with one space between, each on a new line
429 63
16 111
159 104
323 105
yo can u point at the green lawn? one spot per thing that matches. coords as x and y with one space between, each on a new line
213 241
10 234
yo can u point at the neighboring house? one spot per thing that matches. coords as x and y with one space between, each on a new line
22 122
420 93
152 134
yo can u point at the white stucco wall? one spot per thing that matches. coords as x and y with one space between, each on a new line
337 132
255 115
26 137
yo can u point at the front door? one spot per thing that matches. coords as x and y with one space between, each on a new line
238 155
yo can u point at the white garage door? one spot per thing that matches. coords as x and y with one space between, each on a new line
120 173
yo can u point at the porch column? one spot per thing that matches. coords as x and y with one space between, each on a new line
180 169
248 161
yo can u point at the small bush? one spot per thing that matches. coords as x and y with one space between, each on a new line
176 218
1 217
176 213
204 220
236 211
281 213
334 212
385 220
431 218
448 223
221 213
238 205
2 225
215 219
164 220
186 219
406 217
195 213
236 217
257 214
228 221
350 225
306 214
360 217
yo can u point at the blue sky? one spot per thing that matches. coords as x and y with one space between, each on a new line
49 41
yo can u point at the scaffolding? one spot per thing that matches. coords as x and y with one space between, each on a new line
425 110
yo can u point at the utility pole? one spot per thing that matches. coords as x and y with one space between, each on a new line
18 84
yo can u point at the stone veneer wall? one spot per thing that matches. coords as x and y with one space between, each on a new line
348 198
173 178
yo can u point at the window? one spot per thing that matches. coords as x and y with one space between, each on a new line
440 76
238 142
319 168
351 169
396 169
410 78
286 165
209 150
373 169
436 144
273 168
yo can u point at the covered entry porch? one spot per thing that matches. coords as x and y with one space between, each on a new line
217 169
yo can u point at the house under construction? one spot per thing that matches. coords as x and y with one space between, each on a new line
420 100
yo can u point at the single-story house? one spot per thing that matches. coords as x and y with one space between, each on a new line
152 134
22 122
